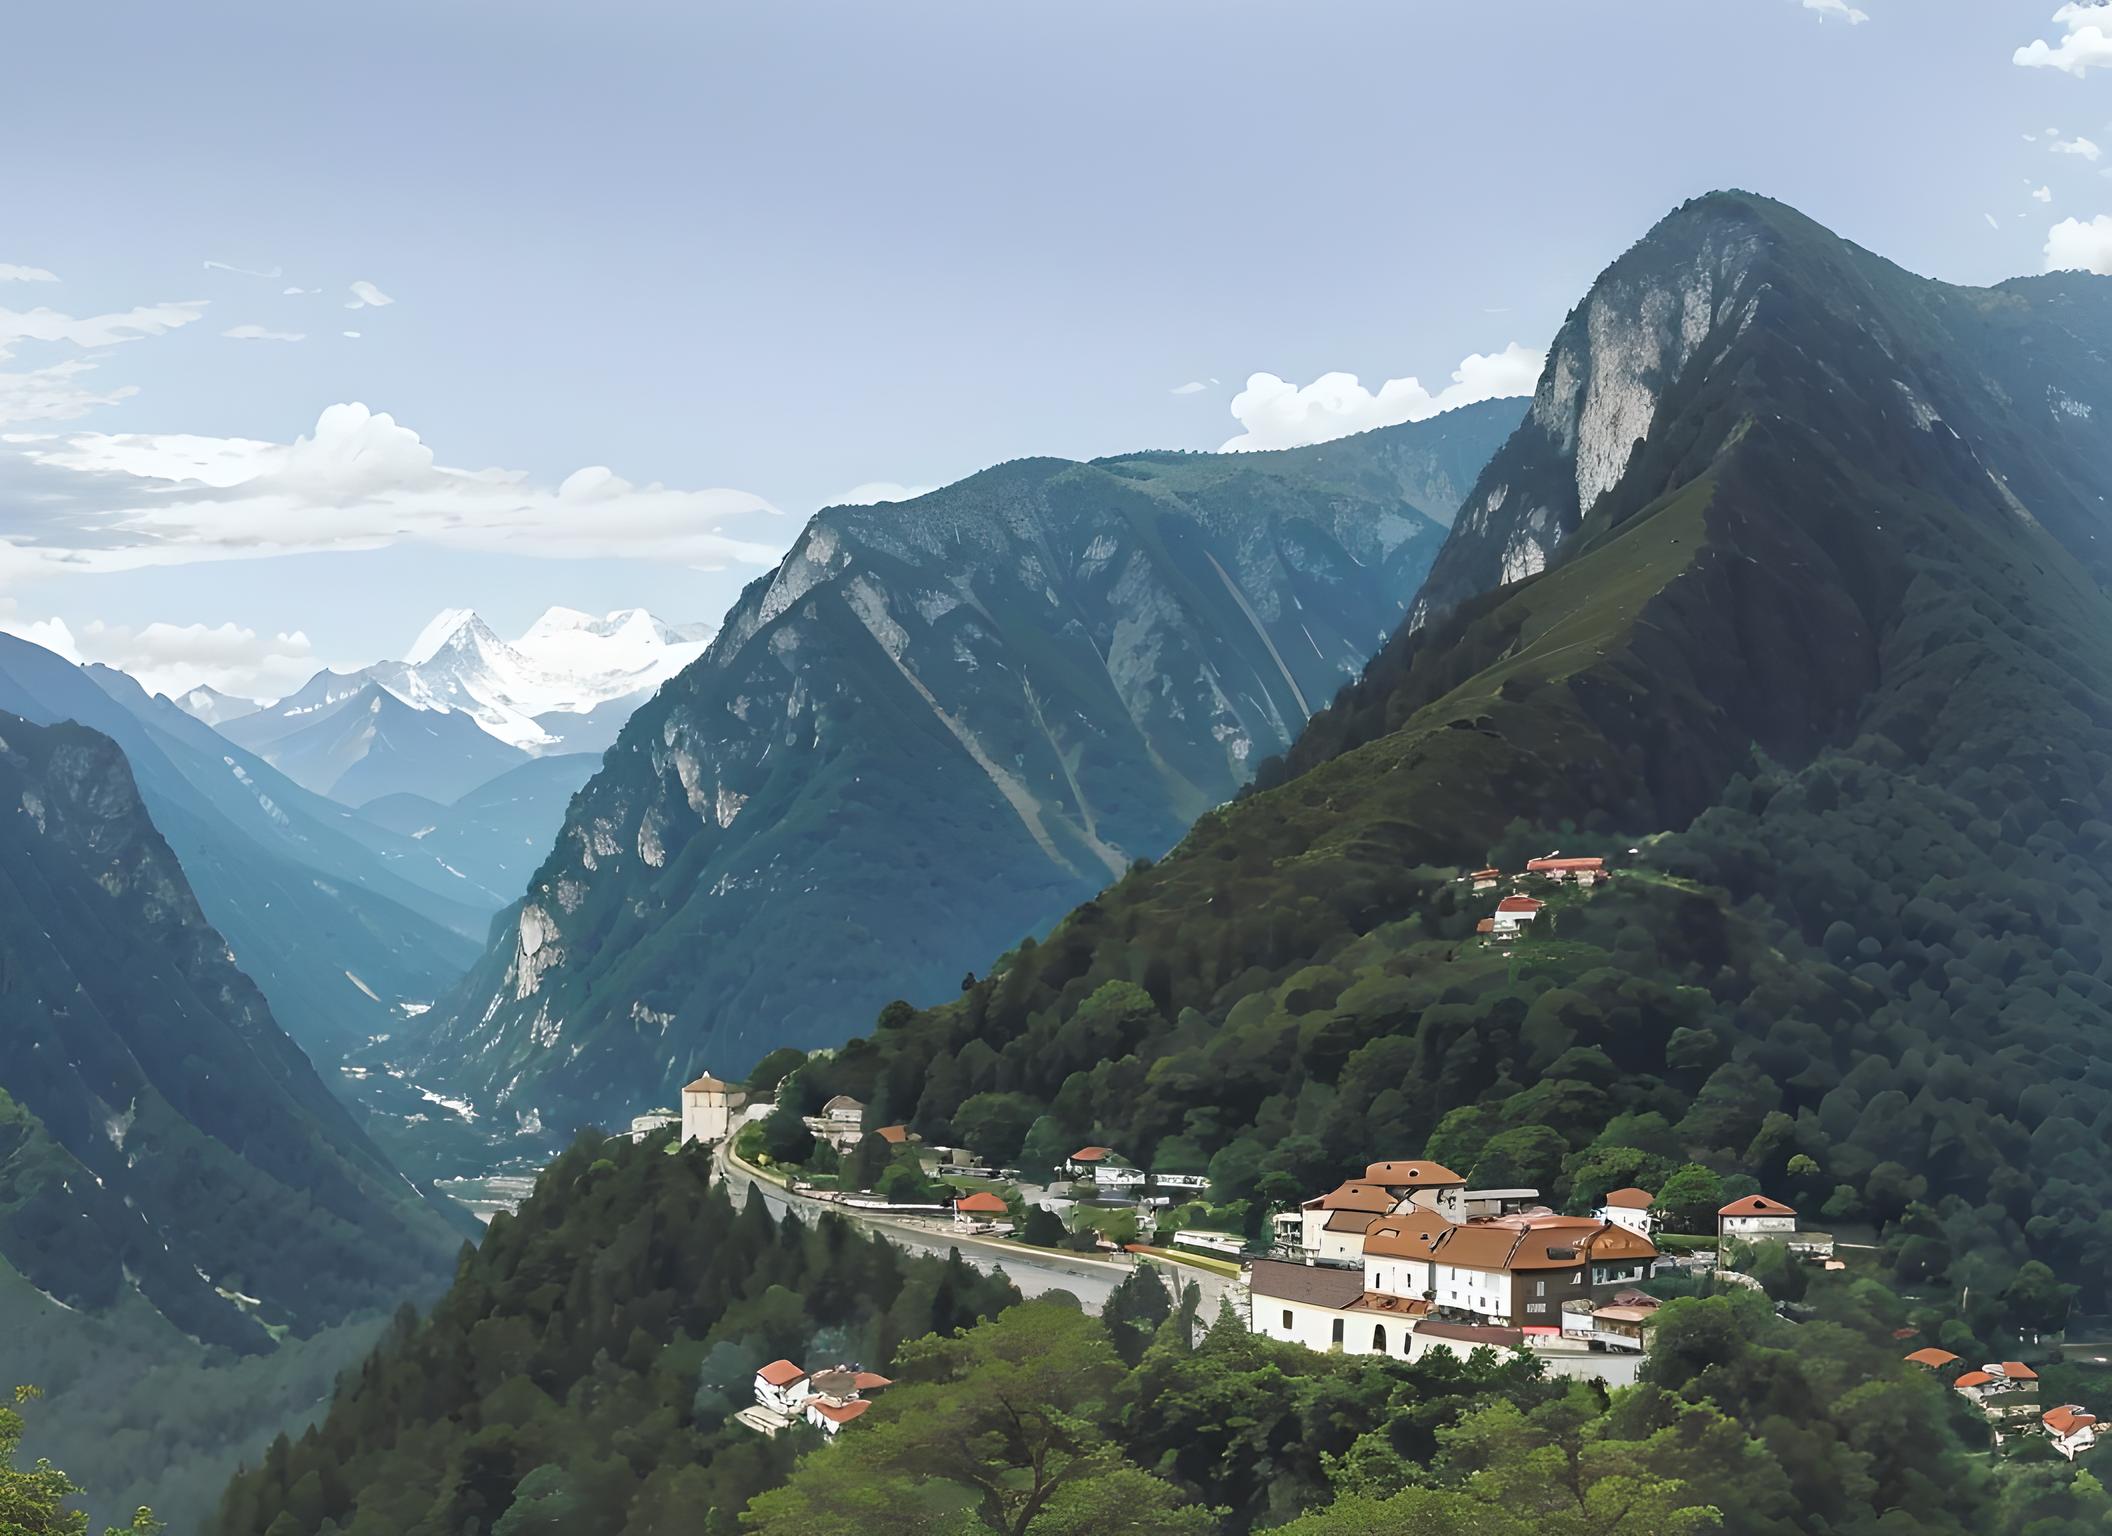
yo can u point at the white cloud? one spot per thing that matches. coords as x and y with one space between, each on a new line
1193 387
55 392
1841 8
366 296
1278 414
10 273
1992 221
2084 46
349 335
290 293
2042 195
2077 146
172 658
261 333
874 492
222 266
2072 244
112 502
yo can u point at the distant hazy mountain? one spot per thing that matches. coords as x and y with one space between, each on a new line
935 726
162 1136
465 706
214 707
498 832
335 919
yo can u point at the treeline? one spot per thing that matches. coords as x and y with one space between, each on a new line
1043 1422
581 1373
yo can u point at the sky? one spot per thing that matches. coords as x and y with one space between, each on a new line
317 320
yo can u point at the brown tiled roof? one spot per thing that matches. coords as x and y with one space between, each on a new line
1756 1205
780 1373
897 1134
1486 925
1316 1285
1091 1154
872 1381
1973 1379
981 1203
706 1084
1472 1333
1381 1301
1631 1199
1355 1195
1411 1234
1406 1174
1519 904
1475 1246
2066 1419
1537 865
1486 874
2017 1370
1351 1221
1934 1359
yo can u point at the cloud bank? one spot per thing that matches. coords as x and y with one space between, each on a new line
2084 45
361 480
1277 414
2073 245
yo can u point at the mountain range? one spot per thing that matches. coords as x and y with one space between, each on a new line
463 706
934 727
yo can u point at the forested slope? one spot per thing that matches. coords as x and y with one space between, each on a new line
1816 655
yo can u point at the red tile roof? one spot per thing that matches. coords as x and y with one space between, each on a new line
840 1415
1934 1359
1756 1205
1540 865
1092 1154
2017 1370
1519 904
1486 874
2066 1419
1973 1379
896 1134
981 1203
872 1381
1411 1175
1486 925
781 1373
1631 1199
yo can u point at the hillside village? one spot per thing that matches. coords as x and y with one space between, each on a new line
1401 1260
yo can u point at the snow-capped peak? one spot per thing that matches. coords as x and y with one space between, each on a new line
444 626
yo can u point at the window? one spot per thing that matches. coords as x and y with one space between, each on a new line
1536 1306
1338 1330
1540 1289
1378 1340
1286 1319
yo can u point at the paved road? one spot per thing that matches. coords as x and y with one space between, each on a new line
1034 1271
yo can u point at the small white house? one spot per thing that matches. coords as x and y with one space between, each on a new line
2071 1428
841 1122
1110 1176
781 1387
1631 1208
1585 872
1514 912
1181 1180
1755 1216
1085 1162
646 1124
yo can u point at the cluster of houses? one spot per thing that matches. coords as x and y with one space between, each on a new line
1406 1259
829 1399
1515 914
711 1111
1111 1173
2006 1394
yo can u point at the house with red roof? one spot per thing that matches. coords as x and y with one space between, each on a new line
980 1209
1514 912
1082 1163
780 1386
1485 879
1932 1359
1632 1208
828 1399
1755 1216
830 1416
2071 1428
1584 872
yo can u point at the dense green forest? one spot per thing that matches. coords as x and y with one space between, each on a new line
581 1373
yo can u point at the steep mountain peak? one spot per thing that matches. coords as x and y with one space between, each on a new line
1704 317
460 630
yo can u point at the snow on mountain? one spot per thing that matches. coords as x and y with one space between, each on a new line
214 707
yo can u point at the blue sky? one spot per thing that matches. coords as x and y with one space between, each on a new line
761 256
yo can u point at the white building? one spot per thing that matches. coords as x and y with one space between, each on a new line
1513 913
1755 1216
841 1122
781 1387
708 1108
1432 1186
1584 872
2071 1429
1631 1208
646 1124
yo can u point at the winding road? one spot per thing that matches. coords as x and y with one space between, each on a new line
1034 1270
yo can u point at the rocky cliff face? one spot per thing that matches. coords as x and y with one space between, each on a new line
2003 372
162 1137
931 729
